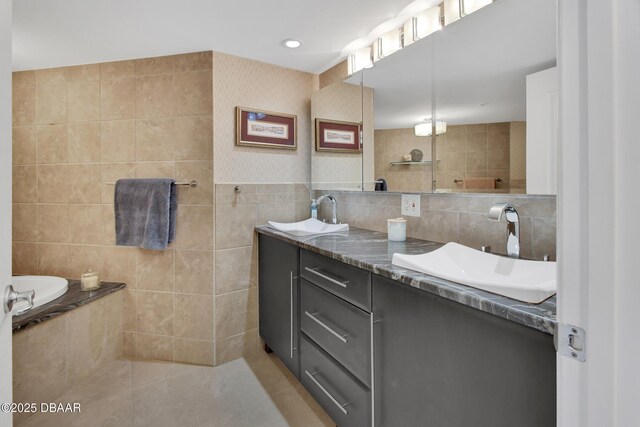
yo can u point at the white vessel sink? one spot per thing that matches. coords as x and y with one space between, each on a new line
308 227
523 280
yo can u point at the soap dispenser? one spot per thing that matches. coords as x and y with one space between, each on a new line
314 209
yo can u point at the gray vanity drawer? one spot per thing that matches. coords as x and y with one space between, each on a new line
351 283
339 328
345 399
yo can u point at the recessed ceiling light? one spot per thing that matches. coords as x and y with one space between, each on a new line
291 43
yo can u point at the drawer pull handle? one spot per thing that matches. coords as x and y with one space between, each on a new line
315 271
324 325
291 313
325 391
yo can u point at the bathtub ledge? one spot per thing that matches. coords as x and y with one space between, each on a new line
72 299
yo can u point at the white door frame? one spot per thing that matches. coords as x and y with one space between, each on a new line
598 208
6 378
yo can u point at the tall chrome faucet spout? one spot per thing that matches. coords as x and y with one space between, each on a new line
334 215
513 226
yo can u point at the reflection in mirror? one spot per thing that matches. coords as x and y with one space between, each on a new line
496 89
341 114
401 85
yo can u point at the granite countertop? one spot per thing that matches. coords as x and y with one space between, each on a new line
370 250
72 299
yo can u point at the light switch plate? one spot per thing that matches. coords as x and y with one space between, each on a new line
411 205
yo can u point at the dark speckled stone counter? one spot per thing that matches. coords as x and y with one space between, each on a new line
370 250
72 299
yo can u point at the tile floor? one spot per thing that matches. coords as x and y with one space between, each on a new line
244 393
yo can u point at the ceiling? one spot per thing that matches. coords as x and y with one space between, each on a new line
51 33
480 63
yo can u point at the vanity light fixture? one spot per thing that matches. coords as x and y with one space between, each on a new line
427 22
387 43
422 129
420 26
425 128
292 43
470 6
452 9
362 58
409 32
441 127
415 28
456 9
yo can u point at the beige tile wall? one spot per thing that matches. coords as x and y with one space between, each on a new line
390 146
478 150
456 218
77 128
518 155
71 347
236 292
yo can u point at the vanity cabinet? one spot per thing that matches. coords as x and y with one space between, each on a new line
375 352
440 363
279 300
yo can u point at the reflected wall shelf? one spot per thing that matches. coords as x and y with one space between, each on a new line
425 162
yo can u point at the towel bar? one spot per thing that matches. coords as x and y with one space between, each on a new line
192 183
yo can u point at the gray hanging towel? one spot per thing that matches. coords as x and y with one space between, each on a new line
145 212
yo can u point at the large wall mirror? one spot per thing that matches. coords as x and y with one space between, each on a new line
341 114
402 86
471 108
496 89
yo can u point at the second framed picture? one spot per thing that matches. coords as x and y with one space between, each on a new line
333 135
259 128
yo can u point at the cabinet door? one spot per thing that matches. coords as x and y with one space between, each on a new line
440 363
279 300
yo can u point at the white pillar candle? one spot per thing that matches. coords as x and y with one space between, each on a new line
89 281
397 229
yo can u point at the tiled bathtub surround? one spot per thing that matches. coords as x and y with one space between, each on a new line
456 218
236 294
78 128
50 358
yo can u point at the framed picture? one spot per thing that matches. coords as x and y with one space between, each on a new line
267 129
332 135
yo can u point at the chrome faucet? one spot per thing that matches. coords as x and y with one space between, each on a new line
513 226
334 215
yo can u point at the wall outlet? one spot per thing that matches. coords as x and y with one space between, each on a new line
411 205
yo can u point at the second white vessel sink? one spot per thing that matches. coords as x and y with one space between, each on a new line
308 227
523 280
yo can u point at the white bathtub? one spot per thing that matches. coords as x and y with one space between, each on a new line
47 288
